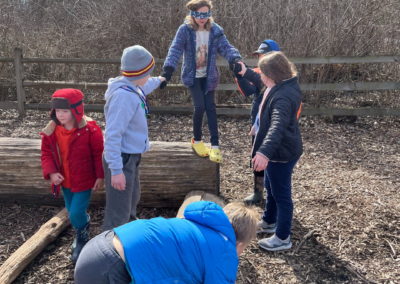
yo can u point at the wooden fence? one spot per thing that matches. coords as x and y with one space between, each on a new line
20 84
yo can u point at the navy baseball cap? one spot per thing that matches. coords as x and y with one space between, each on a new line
266 46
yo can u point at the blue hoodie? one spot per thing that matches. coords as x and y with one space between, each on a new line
198 249
126 123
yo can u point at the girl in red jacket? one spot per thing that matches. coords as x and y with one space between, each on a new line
72 148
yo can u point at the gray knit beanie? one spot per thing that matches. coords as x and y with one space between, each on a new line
136 62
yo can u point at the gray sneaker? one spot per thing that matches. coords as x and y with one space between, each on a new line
264 227
275 244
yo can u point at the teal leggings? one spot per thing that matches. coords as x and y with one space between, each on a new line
76 204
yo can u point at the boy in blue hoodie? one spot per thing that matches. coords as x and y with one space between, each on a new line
202 248
126 135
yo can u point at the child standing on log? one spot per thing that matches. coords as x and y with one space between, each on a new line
202 248
72 146
199 39
126 135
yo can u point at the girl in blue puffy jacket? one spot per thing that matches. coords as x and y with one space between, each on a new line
200 39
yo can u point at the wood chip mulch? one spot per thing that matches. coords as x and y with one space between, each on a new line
346 226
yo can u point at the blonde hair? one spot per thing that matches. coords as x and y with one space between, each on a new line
243 219
195 5
277 67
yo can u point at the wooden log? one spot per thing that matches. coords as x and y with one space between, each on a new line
167 173
198 195
14 265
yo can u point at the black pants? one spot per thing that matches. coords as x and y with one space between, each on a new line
204 102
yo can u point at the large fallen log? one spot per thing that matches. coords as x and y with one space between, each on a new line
14 265
167 173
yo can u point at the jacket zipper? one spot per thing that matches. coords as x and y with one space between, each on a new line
55 163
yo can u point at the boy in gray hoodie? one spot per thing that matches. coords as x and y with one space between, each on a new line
126 135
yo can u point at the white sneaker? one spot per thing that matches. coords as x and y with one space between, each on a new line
264 227
275 244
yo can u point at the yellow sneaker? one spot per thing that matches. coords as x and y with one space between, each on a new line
215 155
200 148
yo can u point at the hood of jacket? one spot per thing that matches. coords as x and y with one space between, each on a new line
211 215
115 83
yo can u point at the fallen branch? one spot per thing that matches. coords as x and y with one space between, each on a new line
340 247
14 265
394 252
359 276
306 237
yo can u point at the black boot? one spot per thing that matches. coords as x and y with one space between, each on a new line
82 237
258 191
73 246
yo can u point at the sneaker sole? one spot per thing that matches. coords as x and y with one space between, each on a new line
268 231
285 247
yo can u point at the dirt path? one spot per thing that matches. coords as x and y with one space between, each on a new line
345 189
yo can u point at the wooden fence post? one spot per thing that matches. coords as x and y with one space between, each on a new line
18 80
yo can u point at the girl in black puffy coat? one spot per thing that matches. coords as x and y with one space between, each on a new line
277 146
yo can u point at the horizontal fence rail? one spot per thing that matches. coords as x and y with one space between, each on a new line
20 84
243 110
222 62
357 86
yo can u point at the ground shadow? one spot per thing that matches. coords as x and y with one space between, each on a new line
312 262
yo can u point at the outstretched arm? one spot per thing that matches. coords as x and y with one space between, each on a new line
245 87
253 77
226 50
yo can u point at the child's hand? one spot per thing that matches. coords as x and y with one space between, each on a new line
56 178
244 68
118 181
260 163
162 79
99 184
252 131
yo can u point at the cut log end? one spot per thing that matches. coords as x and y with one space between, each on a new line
198 195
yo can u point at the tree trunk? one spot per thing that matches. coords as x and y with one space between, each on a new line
14 265
168 172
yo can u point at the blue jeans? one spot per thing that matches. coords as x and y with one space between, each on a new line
76 204
279 206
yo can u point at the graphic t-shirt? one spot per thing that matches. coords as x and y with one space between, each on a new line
202 38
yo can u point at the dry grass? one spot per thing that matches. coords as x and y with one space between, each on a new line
102 29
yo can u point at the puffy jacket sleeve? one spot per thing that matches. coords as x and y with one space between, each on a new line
48 163
254 78
176 49
281 113
97 148
245 87
226 50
